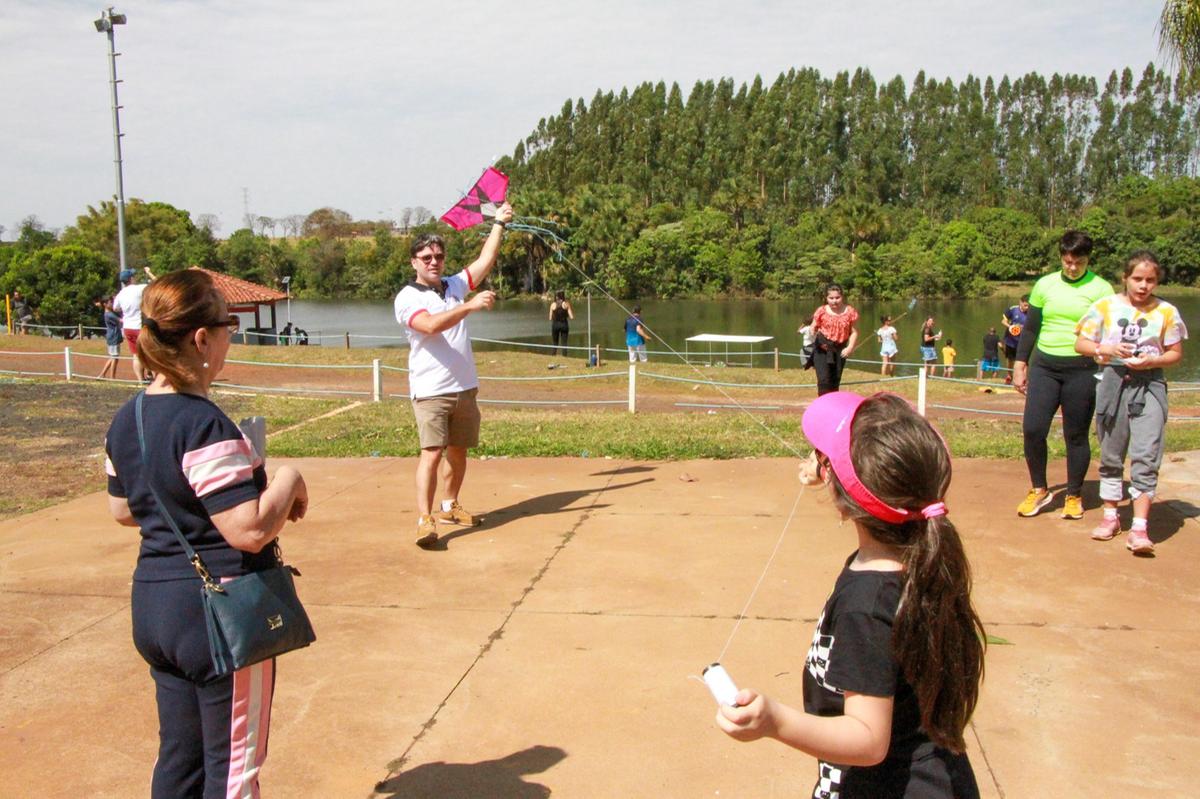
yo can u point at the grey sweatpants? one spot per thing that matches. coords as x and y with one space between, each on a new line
1141 437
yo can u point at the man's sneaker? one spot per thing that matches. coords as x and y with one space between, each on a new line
1139 543
456 515
426 532
1034 501
1072 507
1106 529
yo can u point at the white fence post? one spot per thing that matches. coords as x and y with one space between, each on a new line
67 361
376 381
633 388
921 383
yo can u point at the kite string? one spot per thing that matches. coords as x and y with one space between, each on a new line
763 575
538 232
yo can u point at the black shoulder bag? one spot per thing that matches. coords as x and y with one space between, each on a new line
250 618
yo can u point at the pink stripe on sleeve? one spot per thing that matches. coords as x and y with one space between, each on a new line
219 465
416 313
234 446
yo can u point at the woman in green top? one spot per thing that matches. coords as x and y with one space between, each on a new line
1058 377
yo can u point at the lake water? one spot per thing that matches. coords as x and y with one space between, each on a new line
372 324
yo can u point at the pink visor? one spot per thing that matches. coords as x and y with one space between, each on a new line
826 424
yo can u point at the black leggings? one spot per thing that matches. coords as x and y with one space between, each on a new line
828 365
1059 382
559 333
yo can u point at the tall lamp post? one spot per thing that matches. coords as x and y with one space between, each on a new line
105 24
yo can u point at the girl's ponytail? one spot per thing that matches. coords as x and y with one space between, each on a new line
938 639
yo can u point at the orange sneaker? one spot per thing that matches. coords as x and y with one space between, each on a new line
1034 501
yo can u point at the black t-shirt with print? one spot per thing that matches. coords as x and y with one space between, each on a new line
852 651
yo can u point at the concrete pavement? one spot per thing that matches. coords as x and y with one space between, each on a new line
551 650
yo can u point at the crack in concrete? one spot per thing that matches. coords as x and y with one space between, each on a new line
395 766
988 763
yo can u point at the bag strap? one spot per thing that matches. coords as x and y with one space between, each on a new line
191 553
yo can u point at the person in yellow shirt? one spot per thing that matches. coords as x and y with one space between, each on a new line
948 355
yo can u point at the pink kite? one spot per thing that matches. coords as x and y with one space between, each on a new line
481 202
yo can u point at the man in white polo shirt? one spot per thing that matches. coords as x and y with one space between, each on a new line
442 379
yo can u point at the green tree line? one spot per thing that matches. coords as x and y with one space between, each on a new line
933 190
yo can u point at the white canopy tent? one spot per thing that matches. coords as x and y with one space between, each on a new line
718 338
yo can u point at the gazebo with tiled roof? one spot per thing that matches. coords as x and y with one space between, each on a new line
242 296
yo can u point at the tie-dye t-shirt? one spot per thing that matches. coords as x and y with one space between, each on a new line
1114 320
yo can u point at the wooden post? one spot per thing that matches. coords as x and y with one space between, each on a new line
597 355
347 339
633 388
979 370
79 331
922 380
776 359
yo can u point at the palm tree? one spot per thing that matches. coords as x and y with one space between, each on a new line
1179 33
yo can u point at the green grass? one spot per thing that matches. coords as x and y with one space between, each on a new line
388 429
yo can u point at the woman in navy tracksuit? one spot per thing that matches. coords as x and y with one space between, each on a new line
212 730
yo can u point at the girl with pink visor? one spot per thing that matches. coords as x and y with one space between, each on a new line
892 676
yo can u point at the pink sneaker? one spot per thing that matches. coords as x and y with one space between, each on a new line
1106 529
1139 543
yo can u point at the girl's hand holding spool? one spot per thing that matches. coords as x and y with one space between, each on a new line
753 718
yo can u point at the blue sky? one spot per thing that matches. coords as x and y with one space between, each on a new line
373 106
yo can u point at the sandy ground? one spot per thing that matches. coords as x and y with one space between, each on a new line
550 650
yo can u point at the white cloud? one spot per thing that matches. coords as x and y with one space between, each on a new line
371 106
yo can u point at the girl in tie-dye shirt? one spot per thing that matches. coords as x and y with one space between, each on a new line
1134 335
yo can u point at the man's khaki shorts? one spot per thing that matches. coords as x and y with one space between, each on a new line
448 420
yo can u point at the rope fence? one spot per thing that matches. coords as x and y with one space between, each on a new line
352 382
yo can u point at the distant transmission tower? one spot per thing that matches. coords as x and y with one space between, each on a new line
246 220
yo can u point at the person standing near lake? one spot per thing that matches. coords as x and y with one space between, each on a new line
1052 375
948 356
1014 322
442 378
990 364
635 336
1134 335
561 315
887 346
835 326
929 339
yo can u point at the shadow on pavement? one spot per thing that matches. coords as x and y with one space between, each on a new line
557 502
625 470
496 779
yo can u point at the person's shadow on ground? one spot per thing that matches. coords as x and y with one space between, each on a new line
495 779
557 502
